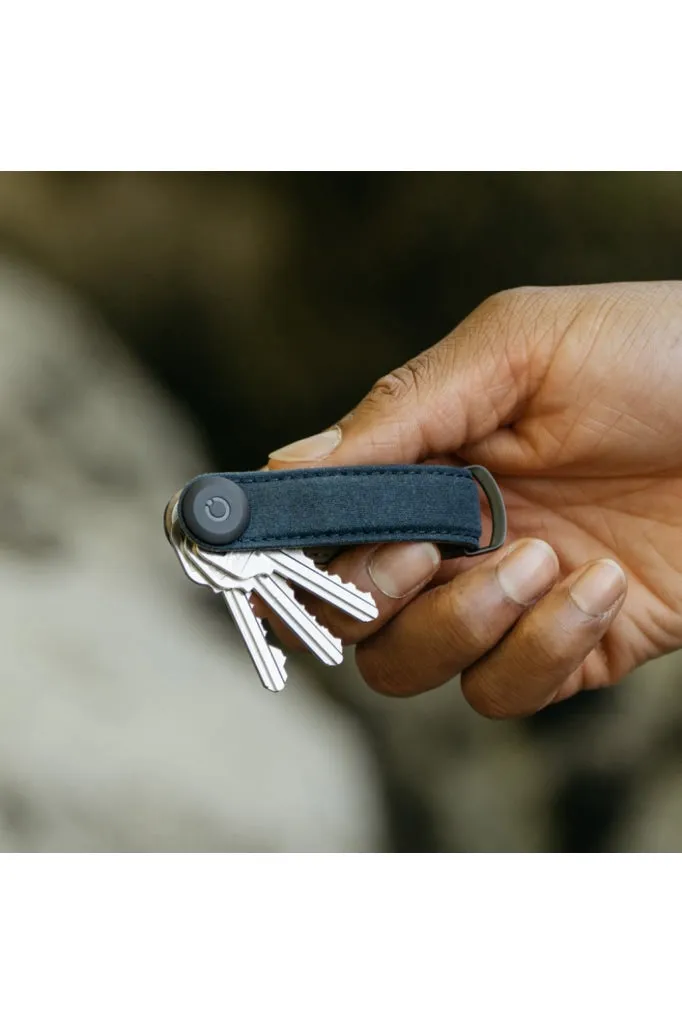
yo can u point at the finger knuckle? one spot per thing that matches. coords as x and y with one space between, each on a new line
511 325
463 630
507 317
402 382
504 303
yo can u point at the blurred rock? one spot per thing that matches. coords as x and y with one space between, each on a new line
130 718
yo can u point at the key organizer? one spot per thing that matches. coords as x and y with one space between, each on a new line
341 507
246 533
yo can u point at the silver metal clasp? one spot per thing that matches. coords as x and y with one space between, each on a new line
498 512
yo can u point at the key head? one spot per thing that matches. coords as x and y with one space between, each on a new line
214 510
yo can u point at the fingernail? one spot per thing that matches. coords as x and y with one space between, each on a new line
396 569
527 570
599 587
310 449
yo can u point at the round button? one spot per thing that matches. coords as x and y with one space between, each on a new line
215 510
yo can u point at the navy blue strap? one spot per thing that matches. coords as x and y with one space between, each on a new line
334 507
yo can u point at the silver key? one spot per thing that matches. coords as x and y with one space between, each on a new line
268 660
280 597
238 574
300 570
254 571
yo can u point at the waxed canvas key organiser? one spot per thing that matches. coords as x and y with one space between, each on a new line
330 508
270 534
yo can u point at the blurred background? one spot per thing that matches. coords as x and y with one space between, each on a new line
155 326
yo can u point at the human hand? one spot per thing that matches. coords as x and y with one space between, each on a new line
572 397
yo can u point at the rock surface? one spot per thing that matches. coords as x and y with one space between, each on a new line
130 718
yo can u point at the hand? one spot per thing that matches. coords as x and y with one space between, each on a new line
572 397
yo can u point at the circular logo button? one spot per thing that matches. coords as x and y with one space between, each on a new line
217 509
214 510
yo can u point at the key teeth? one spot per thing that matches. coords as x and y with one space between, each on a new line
336 643
301 556
353 589
306 559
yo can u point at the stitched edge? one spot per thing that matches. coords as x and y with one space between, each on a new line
291 476
427 534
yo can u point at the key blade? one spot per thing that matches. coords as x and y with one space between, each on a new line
279 596
302 571
269 661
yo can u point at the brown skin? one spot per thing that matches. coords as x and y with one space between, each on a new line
572 397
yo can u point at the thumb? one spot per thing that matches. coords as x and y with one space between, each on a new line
456 393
